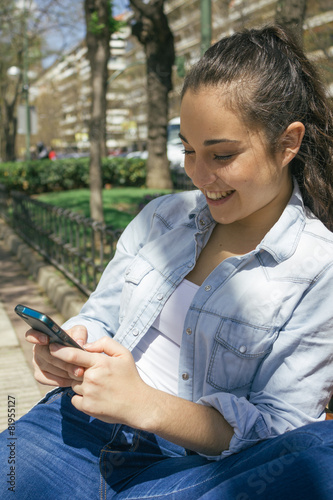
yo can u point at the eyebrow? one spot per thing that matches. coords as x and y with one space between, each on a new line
209 142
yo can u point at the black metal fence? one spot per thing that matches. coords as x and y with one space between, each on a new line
4 202
79 247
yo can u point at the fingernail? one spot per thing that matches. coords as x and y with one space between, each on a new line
77 372
54 346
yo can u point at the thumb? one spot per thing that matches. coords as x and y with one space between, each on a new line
79 333
110 346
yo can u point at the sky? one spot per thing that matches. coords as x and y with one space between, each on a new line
69 34
60 23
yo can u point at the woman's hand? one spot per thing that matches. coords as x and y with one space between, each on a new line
111 388
47 369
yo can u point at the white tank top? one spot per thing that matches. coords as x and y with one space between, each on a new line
157 354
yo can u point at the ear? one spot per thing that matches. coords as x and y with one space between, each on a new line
291 141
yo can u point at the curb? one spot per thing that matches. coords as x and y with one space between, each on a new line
67 299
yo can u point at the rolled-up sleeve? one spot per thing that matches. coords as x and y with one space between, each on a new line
100 314
294 382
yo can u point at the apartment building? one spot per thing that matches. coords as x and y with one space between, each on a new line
230 16
227 16
63 99
64 95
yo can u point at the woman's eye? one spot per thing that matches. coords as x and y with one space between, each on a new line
223 157
188 152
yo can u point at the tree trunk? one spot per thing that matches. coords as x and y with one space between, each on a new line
158 172
9 119
8 132
152 30
291 15
98 35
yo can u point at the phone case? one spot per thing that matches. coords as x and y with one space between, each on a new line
43 323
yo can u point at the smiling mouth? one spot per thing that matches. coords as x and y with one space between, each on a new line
213 195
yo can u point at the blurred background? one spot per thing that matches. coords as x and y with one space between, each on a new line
45 67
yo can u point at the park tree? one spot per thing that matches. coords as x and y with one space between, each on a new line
30 32
98 35
150 26
9 95
100 25
11 78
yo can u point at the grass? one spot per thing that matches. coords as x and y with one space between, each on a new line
120 204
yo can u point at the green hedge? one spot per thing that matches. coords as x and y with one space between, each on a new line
41 176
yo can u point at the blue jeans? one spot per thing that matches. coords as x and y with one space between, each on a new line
57 452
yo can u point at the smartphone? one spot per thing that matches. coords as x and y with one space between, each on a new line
43 323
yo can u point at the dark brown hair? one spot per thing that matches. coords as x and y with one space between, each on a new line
273 84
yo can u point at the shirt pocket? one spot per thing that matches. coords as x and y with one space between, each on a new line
238 350
134 276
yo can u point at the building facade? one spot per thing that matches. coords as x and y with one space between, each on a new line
63 91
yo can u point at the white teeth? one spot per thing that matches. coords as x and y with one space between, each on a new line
217 196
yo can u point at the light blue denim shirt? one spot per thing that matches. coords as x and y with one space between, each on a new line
258 338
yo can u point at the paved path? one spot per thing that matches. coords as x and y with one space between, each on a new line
16 379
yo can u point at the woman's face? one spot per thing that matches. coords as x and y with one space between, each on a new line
230 163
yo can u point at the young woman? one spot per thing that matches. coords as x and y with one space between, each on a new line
209 362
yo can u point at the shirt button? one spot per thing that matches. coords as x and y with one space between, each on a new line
202 222
243 349
160 296
185 376
207 288
135 332
189 331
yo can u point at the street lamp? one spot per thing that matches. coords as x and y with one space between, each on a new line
14 72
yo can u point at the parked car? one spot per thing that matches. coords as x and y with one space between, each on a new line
143 155
175 148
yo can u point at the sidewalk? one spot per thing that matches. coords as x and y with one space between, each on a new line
16 370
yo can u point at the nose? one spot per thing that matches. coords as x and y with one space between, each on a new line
198 170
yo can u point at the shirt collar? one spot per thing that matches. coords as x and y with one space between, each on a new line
281 240
201 213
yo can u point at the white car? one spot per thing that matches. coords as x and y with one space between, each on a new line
143 155
175 148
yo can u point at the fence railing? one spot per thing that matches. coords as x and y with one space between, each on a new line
4 202
79 247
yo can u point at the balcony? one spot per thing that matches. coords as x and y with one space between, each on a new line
315 21
172 5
